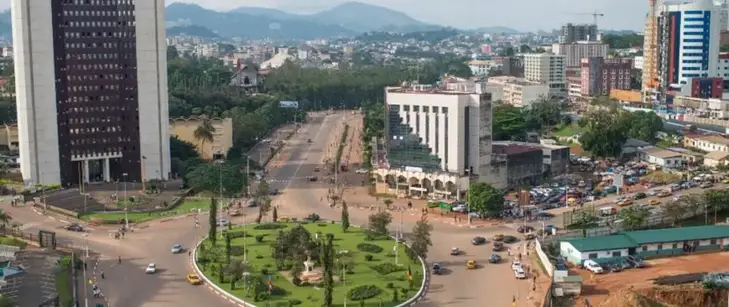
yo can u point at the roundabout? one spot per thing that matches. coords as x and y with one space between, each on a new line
281 264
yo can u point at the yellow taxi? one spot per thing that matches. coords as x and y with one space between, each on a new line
471 264
664 194
193 279
624 203
654 202
725 181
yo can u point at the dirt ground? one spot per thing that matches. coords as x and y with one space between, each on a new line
598 288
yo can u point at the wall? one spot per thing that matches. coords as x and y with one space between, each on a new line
548 266
184 129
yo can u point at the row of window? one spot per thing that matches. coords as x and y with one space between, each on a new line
99 13
88 152
425 109
105 66
76 99
95 120
92 141
100 87
128 45
96 35
91 67
98 2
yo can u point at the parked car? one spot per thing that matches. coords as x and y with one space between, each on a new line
640 195
592 266
495 258
636 262
525 228
455 251
516 265
664 194
498 237
706 185
510 239
654 202
471 264
437 269
478 240
519 273
612 267
223 222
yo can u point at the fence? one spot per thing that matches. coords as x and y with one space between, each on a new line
36 238
548 266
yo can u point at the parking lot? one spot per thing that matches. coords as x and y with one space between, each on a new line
599 287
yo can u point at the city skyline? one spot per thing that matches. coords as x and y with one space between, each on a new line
471 14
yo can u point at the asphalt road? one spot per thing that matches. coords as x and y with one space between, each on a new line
492 283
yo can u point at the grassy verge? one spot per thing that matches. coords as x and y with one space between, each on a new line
359 271
342 142
12 242
136 217
569 130
63 282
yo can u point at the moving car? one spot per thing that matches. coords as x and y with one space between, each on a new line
308 141
516 265
193 279
654 202
592 266
471 264
510 239
311 178
519 273
455 251
664 194
235 212
177 248
437 269
478 240
151 269
624 203
498 237
498 246
74 227
494 258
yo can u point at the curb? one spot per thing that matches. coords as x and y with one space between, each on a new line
424 286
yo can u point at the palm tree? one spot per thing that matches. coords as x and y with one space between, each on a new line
204 133
4 218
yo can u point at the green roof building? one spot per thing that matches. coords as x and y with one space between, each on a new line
646 243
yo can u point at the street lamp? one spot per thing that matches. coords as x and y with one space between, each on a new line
86 259
220 206
126 203
86 196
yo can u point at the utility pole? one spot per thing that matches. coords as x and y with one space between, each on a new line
86 259
245 247
220 207
248 174
126 203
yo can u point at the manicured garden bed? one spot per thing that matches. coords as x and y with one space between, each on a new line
135 217
370 267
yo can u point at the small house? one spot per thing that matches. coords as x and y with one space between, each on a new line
716 158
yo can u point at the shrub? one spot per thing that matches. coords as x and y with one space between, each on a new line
259 238
363 292
321 225
269 226
313 217
262 296
259 256
368 257
264 271
296 281
369 248
294 302
238 234
386 268
236 250
390 285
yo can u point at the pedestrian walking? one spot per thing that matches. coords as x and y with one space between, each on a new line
85 266
102 274
119 259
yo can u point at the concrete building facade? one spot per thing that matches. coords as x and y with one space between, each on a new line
184 129
576 51
91 87
599 75
578 32
548 69
518 91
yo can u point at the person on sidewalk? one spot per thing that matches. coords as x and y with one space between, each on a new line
102 274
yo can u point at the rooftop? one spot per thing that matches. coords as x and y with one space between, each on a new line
515 149
710 138
634 239
660 152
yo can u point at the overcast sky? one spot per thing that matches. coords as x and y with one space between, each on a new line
519 14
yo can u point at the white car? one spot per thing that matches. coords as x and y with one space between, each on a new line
361 171
516 265
519 273
151 268
592 266
223 222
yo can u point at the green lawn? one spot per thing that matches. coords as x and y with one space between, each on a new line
63 282
186 207
569 130
362 273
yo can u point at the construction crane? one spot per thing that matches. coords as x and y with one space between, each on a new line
594 14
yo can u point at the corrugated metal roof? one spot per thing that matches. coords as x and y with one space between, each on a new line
679 234
601 243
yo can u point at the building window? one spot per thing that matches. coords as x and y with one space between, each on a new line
406 108
435 110
445 110
592 256
660 247
616 254
425 109
416 108
645 248
674 246
713 242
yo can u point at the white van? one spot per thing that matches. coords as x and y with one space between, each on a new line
592 266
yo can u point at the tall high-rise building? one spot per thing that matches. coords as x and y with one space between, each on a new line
600 75
578 32
91 86
548 69
576 51
681 42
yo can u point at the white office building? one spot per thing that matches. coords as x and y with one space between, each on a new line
518 91
548 69
91 88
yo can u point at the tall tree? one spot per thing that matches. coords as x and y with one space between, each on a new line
421 238
213 177
213 231
674 211
378 223
274 215
345 217
485 199
204 133
228 247
634 217
329 270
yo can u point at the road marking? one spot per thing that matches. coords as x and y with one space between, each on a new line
306 155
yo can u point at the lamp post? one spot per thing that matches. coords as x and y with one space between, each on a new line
86 259
126 203
86 196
